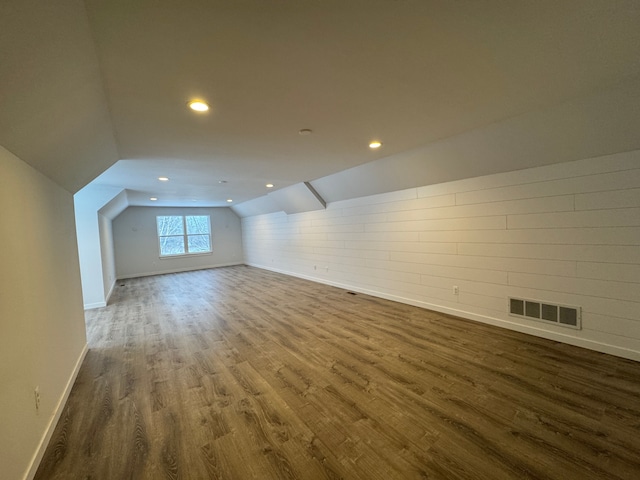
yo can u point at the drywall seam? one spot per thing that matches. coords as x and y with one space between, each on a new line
559 337
57 413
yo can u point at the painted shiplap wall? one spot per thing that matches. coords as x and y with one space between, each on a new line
567 233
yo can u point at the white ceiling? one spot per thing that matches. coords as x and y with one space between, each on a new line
84 85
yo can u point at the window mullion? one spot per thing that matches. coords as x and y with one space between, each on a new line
185 234
200 237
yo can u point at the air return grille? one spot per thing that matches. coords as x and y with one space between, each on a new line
563 315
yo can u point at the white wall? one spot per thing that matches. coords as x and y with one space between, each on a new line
89 256
566 233
91 241
136 241
107 255
42 330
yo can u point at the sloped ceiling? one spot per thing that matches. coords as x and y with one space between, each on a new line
53 110
412 73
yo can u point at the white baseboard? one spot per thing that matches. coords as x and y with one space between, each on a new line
111 289
44 442
538 332
178 270
89 306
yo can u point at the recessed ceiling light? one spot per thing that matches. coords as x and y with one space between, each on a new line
305 131
163 179
153 199
229 200
269 185
198 106
375 144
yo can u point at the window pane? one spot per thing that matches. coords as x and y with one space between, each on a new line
171 245
197 224
170 225
199 243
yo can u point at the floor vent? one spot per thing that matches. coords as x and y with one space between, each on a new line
563 315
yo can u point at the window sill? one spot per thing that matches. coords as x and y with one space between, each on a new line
185 255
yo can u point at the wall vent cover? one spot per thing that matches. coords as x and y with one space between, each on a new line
562 315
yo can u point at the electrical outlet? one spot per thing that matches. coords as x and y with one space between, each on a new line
456 290
36 393
315 267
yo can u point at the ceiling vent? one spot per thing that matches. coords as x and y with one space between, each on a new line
563 315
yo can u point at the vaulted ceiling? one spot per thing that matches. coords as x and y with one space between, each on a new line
100 89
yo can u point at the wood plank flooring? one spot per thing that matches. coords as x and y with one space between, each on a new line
241 373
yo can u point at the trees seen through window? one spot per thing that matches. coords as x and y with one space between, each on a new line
183 234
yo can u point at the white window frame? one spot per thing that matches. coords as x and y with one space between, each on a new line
185 236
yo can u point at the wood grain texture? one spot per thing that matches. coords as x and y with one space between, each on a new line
240 373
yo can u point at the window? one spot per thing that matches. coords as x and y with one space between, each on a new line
183 235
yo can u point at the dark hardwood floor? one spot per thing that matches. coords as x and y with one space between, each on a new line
240 373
